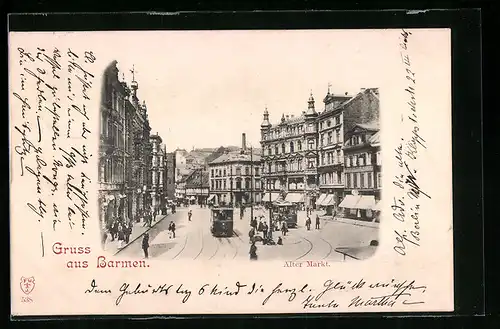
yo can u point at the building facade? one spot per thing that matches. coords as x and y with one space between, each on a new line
197 187
340 115
303 157
170 175
235 177
290 157
157 173
123 150
363 165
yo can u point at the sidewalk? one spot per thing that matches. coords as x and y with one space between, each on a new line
350 221
137 232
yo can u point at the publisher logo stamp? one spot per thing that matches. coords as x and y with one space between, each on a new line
27 284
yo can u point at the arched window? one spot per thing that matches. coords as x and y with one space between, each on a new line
283 149
291 147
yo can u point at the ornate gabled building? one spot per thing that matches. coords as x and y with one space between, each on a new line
123 150
289 157
341 114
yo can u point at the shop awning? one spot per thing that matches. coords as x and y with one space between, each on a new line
377 206
330 201
274 196
211 197
327 200
365 202
294 197
350 201
320 199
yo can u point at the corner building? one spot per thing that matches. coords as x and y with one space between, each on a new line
289 157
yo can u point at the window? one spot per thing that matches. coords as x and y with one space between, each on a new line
269 168
330 135
238 171
368 159
276 149
321 125
247 183
310 163
337 120
310 144
370 183
247 171
379 159
224 172
238 183
328 123
337 134
256 171
339 177
355 180
362 180
224 182
283 149
355 161
379 180
300 145
361 160
299 162
348 178
291 147
323 159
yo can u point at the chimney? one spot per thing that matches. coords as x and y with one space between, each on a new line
243 142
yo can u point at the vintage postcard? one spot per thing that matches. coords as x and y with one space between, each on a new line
230 172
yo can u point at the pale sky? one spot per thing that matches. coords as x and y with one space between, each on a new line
205 88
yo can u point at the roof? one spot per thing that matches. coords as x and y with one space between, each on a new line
237 157
372 126
198 179
375 139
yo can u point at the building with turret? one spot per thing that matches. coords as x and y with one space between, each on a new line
289 157
123 150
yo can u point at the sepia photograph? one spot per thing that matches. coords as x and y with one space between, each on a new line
231 171
299 178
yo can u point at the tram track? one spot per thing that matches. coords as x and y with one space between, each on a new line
202 241
310 247
183 247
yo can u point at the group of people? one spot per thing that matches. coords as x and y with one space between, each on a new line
118 229
308 222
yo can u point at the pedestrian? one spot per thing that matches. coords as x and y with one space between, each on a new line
284 228
280 241
317 221
128 232
121 236
260 228
264 231
145 245
253 251
308 223
172 226
114 229
251 235
190 214
254 223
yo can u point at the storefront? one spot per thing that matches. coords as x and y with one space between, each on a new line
359 207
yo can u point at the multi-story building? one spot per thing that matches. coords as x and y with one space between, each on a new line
362 170
123 150
289 157
170 175
235 177
157 173
197 187
341 114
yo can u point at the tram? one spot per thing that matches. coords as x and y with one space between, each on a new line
221 221
285 211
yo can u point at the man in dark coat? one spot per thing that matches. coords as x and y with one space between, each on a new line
145 245
317 222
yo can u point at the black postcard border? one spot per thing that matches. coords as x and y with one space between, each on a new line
466 117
